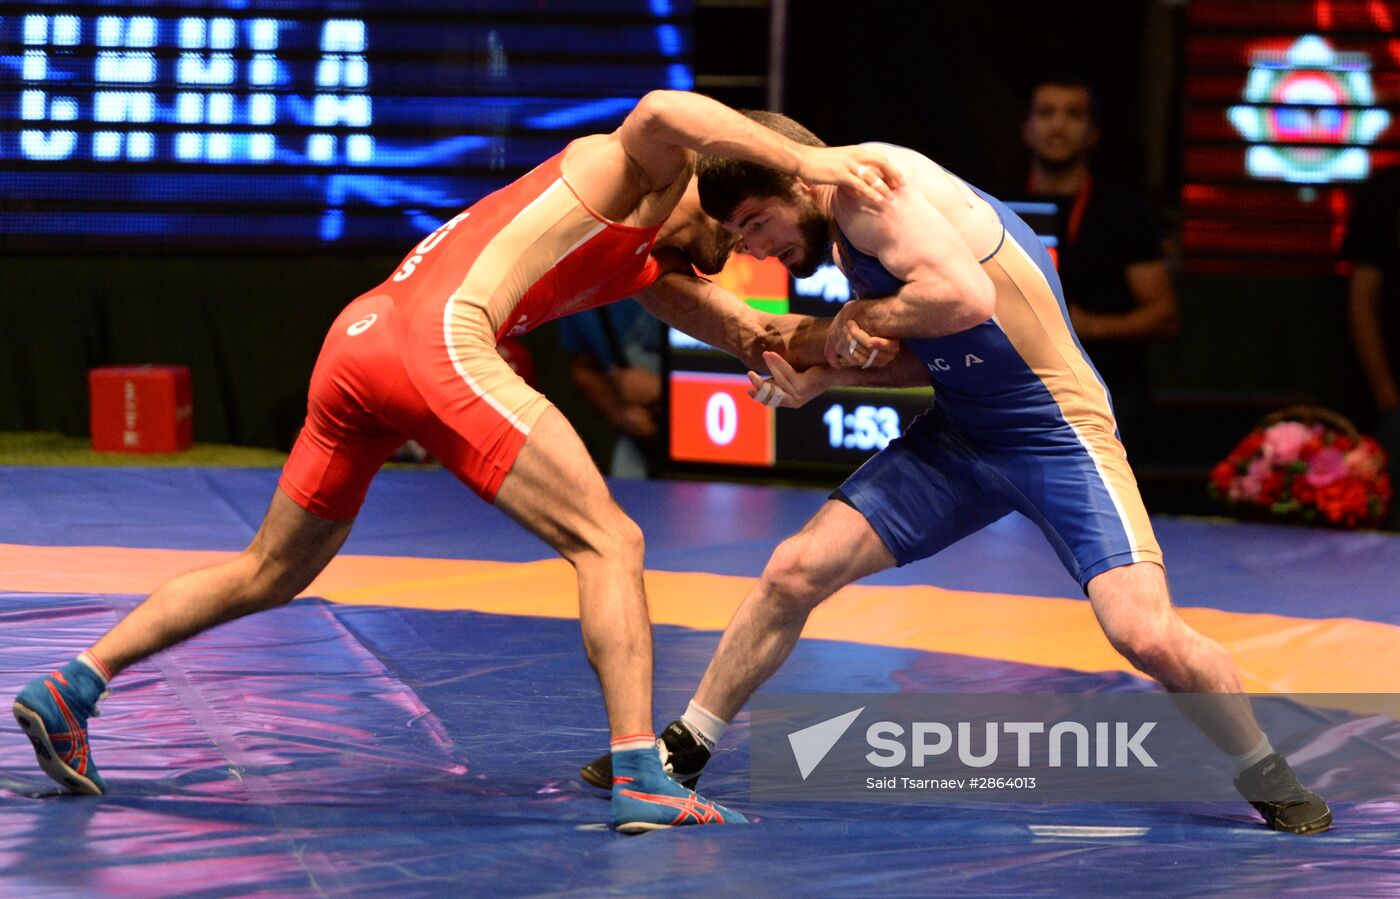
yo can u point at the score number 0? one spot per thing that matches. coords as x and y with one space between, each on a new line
721 419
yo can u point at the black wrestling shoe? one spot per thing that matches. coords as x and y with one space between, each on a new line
1273 789
683 755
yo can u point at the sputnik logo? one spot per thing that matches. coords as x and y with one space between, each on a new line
1302 100
811 744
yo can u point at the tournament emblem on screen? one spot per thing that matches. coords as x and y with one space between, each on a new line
1307 120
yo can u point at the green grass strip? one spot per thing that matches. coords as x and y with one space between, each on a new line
44 448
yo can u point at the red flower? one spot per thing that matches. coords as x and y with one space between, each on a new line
1344 502
1248 447
1221 476
1272 488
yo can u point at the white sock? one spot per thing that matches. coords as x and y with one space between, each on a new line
1254 756
93 663
704 724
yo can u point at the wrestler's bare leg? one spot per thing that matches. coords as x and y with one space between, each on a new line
1135 611
834 548
556 491
291 547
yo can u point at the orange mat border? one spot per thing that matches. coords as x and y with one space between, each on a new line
1276 653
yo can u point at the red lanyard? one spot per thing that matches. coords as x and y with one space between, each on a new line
1076 211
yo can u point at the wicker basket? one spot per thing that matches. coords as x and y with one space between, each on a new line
1311 415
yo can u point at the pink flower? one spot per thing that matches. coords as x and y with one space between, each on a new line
1327 465
1284 442
1363 462
1250 484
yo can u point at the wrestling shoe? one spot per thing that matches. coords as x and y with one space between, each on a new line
1273 789
645 798
683 755
53 712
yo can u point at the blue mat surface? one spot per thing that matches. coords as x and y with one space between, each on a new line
335 750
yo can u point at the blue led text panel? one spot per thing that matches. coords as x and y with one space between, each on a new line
303 124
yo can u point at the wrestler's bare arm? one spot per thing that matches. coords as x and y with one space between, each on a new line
945 289
679 118
792 387
710 313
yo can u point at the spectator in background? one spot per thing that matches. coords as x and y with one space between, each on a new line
1372 246
1111 261
615 363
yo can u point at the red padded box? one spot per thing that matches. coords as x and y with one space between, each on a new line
141 408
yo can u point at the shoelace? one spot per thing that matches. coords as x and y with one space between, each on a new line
665 756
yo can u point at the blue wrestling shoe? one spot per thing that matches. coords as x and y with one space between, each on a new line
53 712
645 798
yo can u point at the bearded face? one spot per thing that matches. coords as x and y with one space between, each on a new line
1060 129
791 229
814 238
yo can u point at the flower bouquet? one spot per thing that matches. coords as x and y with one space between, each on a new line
1305 465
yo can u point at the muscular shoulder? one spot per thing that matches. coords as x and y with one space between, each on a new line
614 184
851 208
599 159
933 205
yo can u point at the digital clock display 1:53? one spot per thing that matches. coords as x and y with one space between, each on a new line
863 427
844 427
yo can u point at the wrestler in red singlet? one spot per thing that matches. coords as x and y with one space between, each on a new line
416 357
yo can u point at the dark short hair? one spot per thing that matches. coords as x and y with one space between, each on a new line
1067 79
725 183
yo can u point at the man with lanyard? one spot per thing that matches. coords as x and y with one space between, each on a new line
1110 262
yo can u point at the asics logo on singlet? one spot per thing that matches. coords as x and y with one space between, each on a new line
641 249
520 327
362 325
943 365
426 245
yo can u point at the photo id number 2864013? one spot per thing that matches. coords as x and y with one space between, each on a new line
950 783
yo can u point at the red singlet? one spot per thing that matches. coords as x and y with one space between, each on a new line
416 358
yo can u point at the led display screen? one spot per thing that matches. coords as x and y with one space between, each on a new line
303 124
1289 105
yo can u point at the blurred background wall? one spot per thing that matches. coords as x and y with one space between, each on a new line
948 78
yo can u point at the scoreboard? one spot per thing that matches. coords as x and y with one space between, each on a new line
714 422
302 125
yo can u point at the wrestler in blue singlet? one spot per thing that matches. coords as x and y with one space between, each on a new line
1020 421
